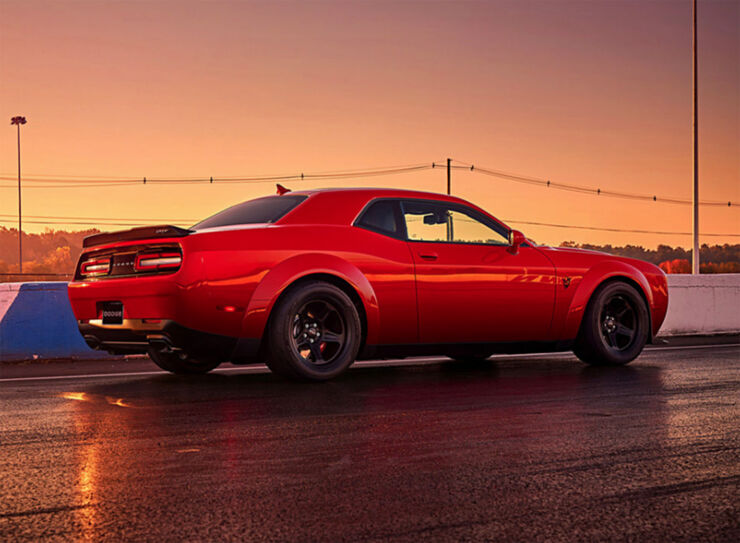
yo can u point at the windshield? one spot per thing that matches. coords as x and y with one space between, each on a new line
262 210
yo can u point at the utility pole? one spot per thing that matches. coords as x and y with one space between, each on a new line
449 191
18 121
695 269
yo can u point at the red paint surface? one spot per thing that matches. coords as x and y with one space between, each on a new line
469 293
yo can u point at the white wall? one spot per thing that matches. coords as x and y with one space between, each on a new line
702 304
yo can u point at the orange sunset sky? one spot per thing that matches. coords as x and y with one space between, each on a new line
593 93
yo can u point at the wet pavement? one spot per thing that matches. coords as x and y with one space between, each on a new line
518 448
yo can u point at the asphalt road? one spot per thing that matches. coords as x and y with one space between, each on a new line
519 448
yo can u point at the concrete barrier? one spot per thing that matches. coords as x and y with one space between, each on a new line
36 320
703 304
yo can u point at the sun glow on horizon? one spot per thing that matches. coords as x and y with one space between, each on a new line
556 92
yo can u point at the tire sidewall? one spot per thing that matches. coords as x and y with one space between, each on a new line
281 327
592 328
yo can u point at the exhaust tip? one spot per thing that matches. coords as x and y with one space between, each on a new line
161 344
92 342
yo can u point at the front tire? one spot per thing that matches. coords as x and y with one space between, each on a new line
183 365
314 332
615 327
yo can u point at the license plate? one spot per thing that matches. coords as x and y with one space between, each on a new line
112 313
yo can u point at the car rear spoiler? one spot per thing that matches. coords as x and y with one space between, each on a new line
145 232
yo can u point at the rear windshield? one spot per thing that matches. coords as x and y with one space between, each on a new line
261 210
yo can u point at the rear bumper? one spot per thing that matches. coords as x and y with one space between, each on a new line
151 298
168 297
138 336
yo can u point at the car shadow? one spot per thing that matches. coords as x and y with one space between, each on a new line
499 383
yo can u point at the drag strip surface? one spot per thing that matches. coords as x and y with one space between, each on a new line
518 448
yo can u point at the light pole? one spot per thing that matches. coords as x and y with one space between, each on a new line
18 121
695 140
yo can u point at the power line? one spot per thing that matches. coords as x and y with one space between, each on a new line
87 223
68 181
65 181
148 222
102 218
519 178
620 230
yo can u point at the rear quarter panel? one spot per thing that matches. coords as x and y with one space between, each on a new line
249 268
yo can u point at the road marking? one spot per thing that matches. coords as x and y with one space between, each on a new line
365 364
250 369
681 347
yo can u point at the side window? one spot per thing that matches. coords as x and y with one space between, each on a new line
425 221
383 217
430 221
467 229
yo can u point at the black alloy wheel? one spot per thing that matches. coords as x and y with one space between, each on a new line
318 333
314 332
615 326
618 323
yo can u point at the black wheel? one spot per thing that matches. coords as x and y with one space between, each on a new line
314 332
175 363
615 327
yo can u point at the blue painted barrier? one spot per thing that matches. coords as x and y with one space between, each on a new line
36 321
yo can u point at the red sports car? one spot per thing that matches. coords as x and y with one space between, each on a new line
309 281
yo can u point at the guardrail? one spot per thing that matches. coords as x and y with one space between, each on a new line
36 320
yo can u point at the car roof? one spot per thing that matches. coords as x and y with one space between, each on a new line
370 193
342 205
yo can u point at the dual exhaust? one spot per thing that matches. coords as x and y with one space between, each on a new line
158 342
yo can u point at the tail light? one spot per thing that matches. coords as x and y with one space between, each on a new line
130 261
95 267
157 261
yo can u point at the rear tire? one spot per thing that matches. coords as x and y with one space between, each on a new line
615 326
314 333
173 363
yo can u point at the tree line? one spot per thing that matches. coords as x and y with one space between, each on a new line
713 258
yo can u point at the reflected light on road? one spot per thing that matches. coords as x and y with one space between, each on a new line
78 396
88 474
119 402
84 397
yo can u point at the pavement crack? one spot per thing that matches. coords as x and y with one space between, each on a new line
677 488
46 510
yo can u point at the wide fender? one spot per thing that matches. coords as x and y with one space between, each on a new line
594 277
293 269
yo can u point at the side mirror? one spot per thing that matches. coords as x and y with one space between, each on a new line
516 238
436 218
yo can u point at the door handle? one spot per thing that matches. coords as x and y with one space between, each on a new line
429 256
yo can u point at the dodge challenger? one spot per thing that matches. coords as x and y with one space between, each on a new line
309 281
